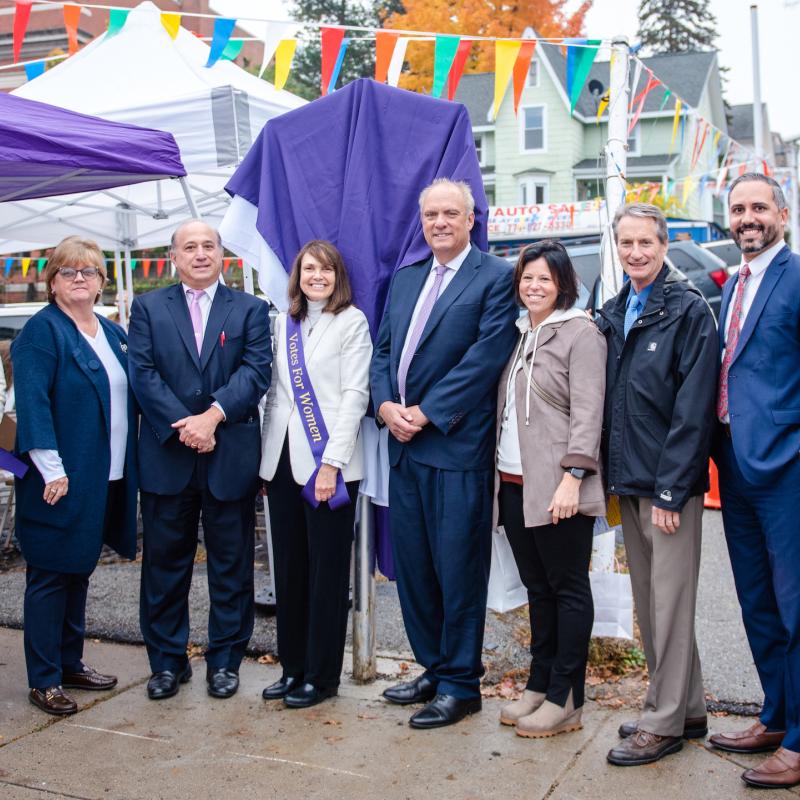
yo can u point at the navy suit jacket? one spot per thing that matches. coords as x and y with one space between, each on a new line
63 403
172 381
764 375
453 376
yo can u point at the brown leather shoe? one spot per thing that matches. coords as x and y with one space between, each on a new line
88 678
780 771
755 739
53 700
693 728
643 748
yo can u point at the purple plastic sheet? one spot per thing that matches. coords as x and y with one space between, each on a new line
349 168
46 150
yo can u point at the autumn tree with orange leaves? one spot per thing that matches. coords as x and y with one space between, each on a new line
477 18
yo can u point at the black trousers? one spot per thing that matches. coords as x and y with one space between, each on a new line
311 549
170 542
553 562
55 612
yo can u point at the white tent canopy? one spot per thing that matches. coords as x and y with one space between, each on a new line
142 76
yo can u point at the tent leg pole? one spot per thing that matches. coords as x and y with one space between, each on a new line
189 199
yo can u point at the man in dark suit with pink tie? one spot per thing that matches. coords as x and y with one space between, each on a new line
757 452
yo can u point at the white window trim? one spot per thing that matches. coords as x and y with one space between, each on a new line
543 148
528 83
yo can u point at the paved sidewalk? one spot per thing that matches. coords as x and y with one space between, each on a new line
123 746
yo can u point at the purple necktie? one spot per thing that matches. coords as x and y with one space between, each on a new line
419 326
197 316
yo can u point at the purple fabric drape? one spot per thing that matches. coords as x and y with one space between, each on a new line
46 150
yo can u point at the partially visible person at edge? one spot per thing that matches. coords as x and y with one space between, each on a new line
444 337
76 423
311 465
199 364
660 387
548 483
756 450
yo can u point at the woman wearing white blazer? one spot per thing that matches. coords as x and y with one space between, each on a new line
318 396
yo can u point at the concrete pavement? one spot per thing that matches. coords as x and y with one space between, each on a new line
123 746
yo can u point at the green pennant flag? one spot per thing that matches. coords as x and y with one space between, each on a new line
40 264
445 52
116 20
232 50
579 62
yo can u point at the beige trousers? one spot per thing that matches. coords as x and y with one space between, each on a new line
664 572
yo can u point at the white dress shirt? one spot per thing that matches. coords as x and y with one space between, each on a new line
49 463
450 273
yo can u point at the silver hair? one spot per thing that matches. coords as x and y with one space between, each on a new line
461 186
643 211
749 177
190 222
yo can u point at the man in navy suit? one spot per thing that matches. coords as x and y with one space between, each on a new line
757 454
446 334
199 358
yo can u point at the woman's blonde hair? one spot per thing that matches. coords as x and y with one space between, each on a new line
74 252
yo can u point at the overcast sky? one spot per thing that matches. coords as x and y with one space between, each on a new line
779 29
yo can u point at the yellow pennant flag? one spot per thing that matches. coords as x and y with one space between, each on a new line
26 262
171 23
676 119
688 188
505 55
284 53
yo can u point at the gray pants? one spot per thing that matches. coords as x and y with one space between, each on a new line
664 571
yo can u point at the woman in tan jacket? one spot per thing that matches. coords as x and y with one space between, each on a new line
549 488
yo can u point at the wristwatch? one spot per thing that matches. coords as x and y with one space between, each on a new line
576 472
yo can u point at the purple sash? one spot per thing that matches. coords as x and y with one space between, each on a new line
310 415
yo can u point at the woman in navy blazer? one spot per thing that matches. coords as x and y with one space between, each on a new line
76 423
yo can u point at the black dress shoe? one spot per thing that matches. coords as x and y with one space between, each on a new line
53 700
88 678
309 695
222 682
420 690
279 689
165 684
443 710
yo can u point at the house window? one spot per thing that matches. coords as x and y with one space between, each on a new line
635 141
533 74
480 149
533 119
534 190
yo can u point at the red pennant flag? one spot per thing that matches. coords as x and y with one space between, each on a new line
331 43
146 267
159 267
384 47
457 68
72 15
521 67
22 13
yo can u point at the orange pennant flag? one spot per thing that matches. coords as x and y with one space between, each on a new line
72 15
521 67
457 69
384 48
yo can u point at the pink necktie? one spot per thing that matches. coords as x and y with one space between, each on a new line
419 326
730 343
197 316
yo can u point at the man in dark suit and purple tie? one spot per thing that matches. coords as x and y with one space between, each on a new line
199 360
758 456
446 334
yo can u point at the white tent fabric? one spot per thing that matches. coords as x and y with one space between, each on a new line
142 76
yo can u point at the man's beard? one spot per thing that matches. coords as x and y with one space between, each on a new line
769 235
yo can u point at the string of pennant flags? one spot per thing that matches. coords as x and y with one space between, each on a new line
146 265
513 56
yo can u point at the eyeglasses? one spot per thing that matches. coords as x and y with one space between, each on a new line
70 273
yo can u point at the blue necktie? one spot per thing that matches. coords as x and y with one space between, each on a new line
632 314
